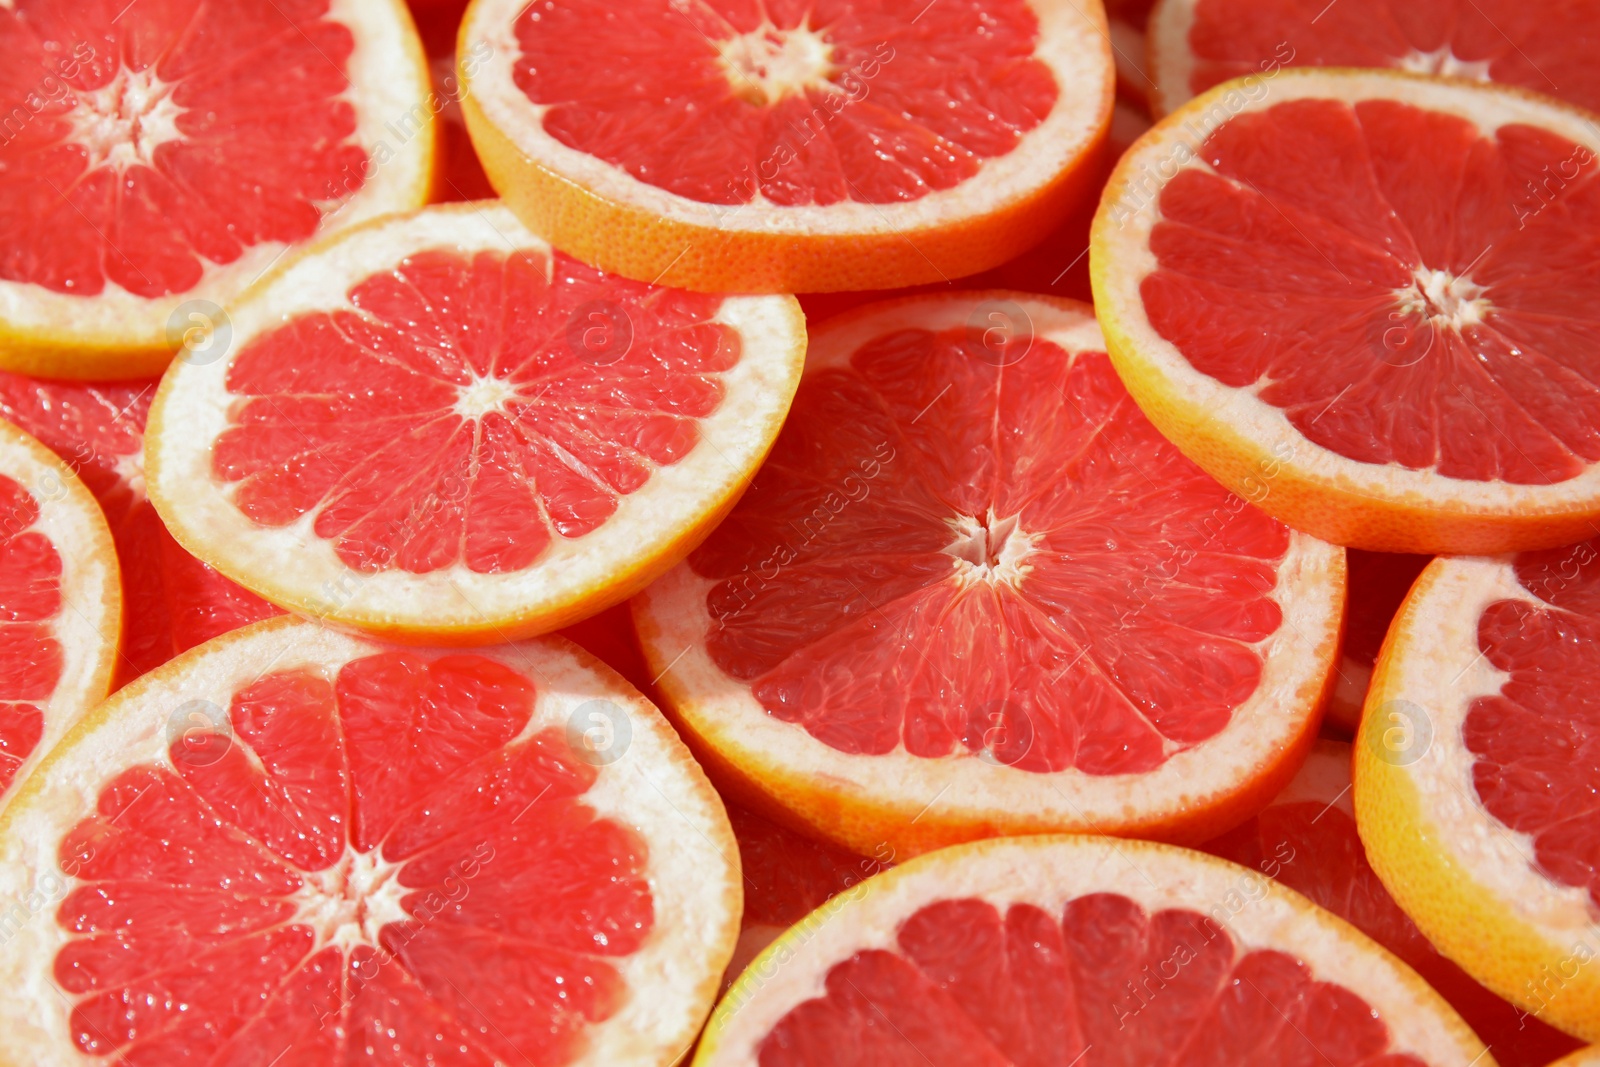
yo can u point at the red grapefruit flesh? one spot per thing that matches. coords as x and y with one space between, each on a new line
438 428
854 144
1083 951
1196 44
1307 840
1379 581
973 591
338 852
1416 378
157 158
60 603
173 601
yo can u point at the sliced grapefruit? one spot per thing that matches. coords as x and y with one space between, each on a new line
1476 771
60 603
1379 581
1307 840
171 600
157 158
781 147
1086 951
787 876
974 592
296 846
434 427
1196 44
1339 292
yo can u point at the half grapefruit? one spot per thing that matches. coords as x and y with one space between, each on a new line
1086 951
296 846
1475 773
973 592
171 600
727 146
157 158
1307 840
1196 44
60 603
1345 289
434 427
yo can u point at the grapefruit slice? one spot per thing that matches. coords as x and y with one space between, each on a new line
1307 840
434 427
296 846
1196 44
60 603
738 147
1086 951
1379 581
1475 773
172 601
156 159
974 592
1393 351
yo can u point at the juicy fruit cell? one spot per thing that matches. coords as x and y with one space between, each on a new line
31 657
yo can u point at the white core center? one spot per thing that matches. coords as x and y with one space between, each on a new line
768 64
991 549
347 904
482 396
1444 298
1443 61
125 121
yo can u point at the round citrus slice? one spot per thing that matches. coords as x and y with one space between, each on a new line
1379 581
1393 341
171 600
296 846
1196 44
1475 773
434 427
60 603
1307 840
727 146
1086 951
156 159
973 592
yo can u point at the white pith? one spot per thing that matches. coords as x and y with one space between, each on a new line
768 65
90 623
1172 63
1071 44
1442 671
1123 257
388 82
483 396
674 624
291 565
655 789
348 904
125 121
995 549
1257 913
